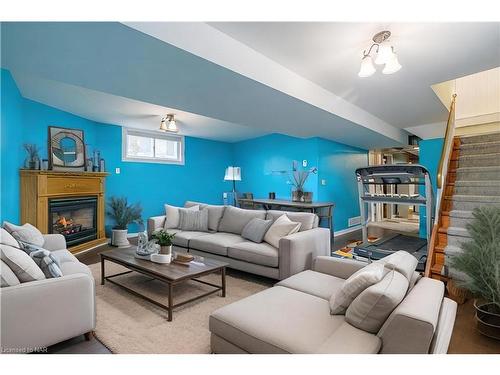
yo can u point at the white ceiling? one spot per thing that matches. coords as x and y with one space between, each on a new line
112 109
329 54
235 81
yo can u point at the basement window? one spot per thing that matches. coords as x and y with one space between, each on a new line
152 147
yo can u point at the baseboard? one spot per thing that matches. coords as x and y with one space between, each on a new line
347 230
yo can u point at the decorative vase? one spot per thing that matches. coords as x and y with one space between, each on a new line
307 196
297 195
119 238
166 250
488 319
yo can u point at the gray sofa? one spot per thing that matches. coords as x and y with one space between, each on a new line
37 314
294 316
296 252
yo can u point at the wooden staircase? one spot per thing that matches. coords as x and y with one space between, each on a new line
439 238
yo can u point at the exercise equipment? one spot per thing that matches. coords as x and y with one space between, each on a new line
397 174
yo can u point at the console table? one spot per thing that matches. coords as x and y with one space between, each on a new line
324 210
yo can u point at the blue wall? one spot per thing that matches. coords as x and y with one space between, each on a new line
430 153
201 178
11 155
26 121
336 163
260 158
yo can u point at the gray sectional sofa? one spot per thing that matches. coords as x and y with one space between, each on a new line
37 314
403 313
223 242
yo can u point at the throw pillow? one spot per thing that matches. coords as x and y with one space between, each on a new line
44 259
193 220
256 229
173 217
21 264
7 239
8 277
25 233
373 306
354 285
281 227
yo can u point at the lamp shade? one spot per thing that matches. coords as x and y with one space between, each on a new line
392 66
233 174
384 53
367 68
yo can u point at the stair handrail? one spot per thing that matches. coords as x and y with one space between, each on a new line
446 151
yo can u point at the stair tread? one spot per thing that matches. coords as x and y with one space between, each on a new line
461 214
475 145
483 183
474 198
458 232
479 156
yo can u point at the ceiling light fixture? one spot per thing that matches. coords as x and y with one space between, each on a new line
168 124
385 55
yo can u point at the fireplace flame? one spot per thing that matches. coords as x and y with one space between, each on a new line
64 222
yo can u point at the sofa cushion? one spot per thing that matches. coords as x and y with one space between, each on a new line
7 239
173 216
183 238
25 233
316 283
257 253
371 308
276 320
8 277
21 264
354 285
256 229
280 228
235 219
215 213
307 220
216 243
401 261
71 268
193 220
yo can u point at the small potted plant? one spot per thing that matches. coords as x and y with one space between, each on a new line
479 262
32 159
123 214
164 239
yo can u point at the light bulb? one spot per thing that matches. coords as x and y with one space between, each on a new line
367 68
384 53
392 66
163 125
172 126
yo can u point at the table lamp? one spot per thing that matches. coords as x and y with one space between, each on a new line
233 174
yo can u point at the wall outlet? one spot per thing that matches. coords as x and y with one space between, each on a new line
323 182
354 221
224 195
304 163
117 170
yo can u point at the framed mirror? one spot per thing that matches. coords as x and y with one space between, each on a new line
66 149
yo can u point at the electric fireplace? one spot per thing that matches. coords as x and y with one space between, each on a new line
74 218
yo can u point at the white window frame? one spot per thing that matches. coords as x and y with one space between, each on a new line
156 135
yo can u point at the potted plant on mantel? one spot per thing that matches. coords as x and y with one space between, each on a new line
32 160
479 261
123 214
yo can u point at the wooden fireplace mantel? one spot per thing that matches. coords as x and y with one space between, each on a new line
37 187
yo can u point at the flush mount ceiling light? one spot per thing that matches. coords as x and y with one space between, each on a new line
168 124
385 55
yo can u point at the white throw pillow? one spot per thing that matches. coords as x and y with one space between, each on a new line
21 264
173 217
281 227
7 239
25 233
354 285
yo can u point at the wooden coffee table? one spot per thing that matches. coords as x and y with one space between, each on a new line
171 274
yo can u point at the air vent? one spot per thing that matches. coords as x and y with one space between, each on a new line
354 221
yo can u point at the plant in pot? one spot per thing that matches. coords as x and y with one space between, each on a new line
32 160
122 214
164 239
479 262
297 177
